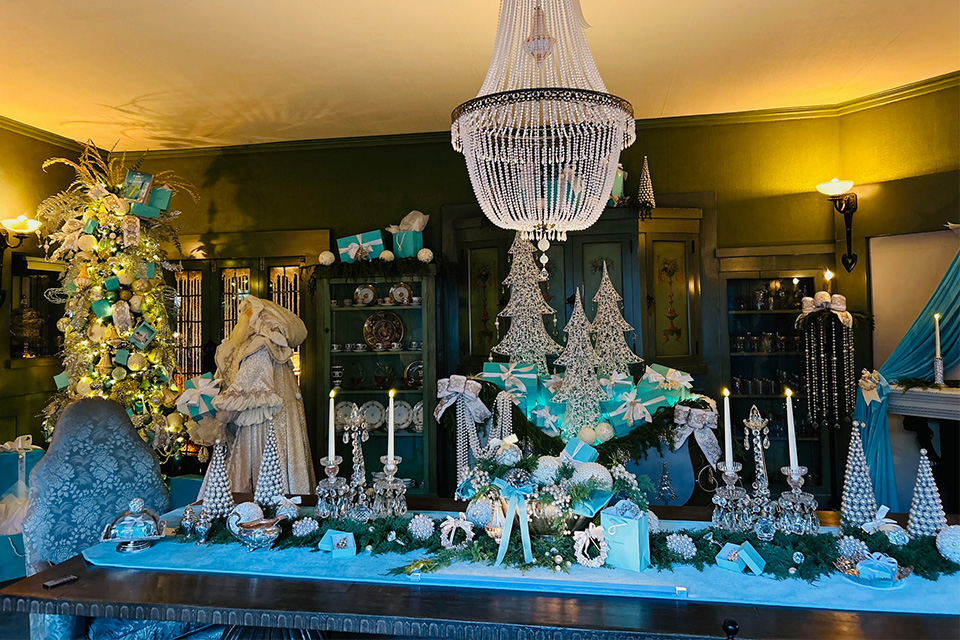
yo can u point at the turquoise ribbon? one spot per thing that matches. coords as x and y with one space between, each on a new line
517 497
466 491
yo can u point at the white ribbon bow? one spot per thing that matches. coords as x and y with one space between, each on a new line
881 523
554 382
615 379
499 443
512 384
355 249
193 397
633 409
823 301
672 380
583 538
459 389
549 420
701 423
20 444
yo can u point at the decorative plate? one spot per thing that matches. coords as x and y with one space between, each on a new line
402 414
413 375
418 416
366 294
383 327
401 293
374 413
341 413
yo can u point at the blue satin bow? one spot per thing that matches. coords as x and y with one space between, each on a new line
517 497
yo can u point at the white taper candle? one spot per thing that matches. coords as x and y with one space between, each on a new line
727 431
791 431
936 331
331 428
390 449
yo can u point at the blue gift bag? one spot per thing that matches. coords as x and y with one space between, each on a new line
407 244
628 538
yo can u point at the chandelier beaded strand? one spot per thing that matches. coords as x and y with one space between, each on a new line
542 139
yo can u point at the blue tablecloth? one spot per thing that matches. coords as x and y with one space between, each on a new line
916 596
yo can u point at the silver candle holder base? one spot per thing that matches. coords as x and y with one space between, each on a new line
731 510
798 509
389 492
333 493
938 370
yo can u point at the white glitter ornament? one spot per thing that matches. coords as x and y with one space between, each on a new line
479 511
682 545
508 454
305 527
592 471
653 522
421 527
605 432
327 258
425 255
387 256
849 547
547 469
948 543
587 435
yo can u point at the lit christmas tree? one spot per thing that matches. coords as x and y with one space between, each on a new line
859 504
613 354
217 497
118 342
665 491
926 510
270 481
581 390
527 339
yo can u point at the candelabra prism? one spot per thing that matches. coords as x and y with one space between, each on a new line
333 493
798 509
732 504
938 370
389 492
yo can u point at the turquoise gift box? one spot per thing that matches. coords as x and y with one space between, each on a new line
549 417
673 384
102 308
121 357
206 408
752 557
371 242
577 452
407 244
160 198
544 383
723 558
521 379
616 385
628 540
597 500
12 563
340 544
144 210
62 379
90 225
112 283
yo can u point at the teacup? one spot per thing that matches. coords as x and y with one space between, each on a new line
396 346
347 302
360 347
379 346
415 300
415 346
335 347
334 303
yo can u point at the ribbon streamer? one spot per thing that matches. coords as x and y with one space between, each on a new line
701 423
20 444
517 506
458 389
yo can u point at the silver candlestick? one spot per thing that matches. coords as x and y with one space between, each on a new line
762 511
355 432
798 509
333 493
389 492
938 370
732 504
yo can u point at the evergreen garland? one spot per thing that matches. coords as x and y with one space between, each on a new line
906 384
399 268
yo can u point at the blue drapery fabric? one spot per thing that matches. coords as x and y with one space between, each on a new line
913 358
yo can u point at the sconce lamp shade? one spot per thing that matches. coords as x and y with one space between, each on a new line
21 225
835 187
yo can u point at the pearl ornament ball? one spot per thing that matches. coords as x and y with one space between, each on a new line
587 435
387 256
605 432
327 258
425 255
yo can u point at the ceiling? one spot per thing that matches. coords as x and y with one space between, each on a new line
215 72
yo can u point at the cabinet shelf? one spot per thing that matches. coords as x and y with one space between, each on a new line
361 392
378 307
747 312
399 433
337 354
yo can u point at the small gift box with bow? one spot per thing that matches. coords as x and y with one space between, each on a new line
363 246
879 570
627 531
616 384
547 387
577 452
549 416
196 400
518 379
673 384
340 544
160 198
17 459
102 308
630 410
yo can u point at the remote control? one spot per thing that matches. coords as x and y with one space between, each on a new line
53 584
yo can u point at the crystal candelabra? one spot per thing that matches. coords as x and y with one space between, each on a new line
732 504
333 493
938 370
756 433
355 432
389 492
798 509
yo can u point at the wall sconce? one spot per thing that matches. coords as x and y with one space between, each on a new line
845 202
19 228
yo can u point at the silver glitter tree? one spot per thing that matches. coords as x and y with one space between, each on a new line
581 390
270 482
859 504
217 497
527 339
613 354
926 510
665 491
645 196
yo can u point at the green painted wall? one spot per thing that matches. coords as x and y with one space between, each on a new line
23 184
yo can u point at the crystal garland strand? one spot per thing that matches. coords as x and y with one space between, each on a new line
811 394
850 382
834 386
504 415
466 436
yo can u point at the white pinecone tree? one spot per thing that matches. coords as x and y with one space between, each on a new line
859 504
581 390
270 482
926 510
217 497
610 345
527 339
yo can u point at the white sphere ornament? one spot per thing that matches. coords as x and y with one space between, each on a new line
948 543
593 471
587 435
509 454
327 258
387 256
605 432
653 522
425 255
547 469
479 511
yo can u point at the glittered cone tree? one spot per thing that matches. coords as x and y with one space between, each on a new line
645 197
527 339
581 390
270 483
859 504
610 345
118 342
926 511
217 497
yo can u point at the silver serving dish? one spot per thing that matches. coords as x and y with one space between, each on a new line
136 529
260 534
243 513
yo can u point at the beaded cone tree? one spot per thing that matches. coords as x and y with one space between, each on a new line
645 196
270 482
217 497
527 339
613 354
581 390
118 342
859 504
665 491
926 511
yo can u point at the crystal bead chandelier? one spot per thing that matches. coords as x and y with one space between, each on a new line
543 137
